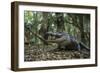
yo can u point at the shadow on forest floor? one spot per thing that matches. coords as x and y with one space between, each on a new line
45 53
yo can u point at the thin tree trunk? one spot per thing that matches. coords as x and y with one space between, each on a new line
60 22
81 28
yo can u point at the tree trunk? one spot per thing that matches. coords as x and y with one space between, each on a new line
60 22
81 28
44 25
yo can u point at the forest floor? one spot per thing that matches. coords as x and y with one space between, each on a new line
45 53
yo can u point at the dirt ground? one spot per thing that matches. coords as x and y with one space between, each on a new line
45 53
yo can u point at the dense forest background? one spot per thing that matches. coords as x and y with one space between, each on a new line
77 25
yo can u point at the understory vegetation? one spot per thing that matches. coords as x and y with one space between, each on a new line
36 24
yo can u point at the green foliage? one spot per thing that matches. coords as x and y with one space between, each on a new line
77 25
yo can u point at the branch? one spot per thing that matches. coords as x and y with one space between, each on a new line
39 36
